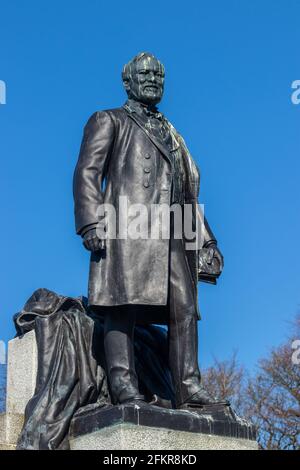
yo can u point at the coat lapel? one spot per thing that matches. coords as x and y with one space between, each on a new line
192 171
157 142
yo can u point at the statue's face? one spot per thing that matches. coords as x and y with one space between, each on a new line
147 81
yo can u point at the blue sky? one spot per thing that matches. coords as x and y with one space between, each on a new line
229 69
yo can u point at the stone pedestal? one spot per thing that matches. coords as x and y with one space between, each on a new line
125 427
130 427
21 378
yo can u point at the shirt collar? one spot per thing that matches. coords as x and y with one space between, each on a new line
142 109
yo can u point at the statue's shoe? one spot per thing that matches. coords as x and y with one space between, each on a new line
135 401
202 398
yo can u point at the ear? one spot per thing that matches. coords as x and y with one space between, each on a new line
126 84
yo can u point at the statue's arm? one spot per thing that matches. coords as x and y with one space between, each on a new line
211 256
90 170
208 236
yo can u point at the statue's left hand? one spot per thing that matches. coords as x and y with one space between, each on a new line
211 261
214 252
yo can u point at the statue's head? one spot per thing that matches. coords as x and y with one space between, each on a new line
143 78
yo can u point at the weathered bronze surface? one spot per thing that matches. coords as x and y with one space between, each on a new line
104 352
139 155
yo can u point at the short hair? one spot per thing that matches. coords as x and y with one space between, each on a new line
128 68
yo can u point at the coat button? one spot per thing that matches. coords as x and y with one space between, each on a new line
146 184
147 155
147 170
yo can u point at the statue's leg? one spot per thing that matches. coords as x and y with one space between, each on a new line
183 334
119 325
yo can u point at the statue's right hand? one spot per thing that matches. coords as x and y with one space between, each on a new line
91 241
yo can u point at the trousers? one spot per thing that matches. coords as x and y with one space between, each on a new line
119 323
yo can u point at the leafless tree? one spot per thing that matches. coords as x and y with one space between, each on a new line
226 380
270 398
273 397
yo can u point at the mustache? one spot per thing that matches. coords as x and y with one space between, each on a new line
150 85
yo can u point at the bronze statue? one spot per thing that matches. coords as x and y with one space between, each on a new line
134 152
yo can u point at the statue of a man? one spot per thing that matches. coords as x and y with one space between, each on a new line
134 152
